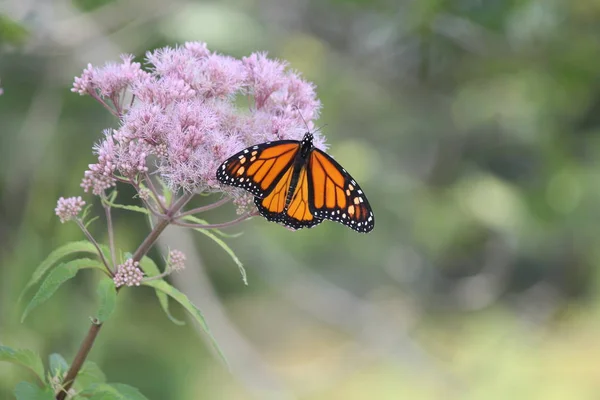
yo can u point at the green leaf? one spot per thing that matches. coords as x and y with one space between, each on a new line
129 392
193 218
90 221
111 202
131 208
228 235
86 211
70 248
151 269
58 365
189 306
89 374
57 277
112 196
113 391
221 243
12 32
25 358
29 391
107 297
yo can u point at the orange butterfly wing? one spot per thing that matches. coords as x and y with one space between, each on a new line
335 195
297 214
258 169
298 195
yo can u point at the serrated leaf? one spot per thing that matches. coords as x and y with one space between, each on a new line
151 269
25 358
129 392
224 246
189 306
58 365
89 374
63 251
56 278
29 391
107 298
97 390
113 391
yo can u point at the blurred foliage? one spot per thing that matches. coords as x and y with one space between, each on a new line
472 126
12 32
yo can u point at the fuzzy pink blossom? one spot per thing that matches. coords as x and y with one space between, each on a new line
69 208
176 260
219 76
128 274
110 80
83 84
181 118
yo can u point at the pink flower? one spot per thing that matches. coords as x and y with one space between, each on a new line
100 176
69 208
84 84
182 114
197 49
110 80
128 274
219 76
244 202
265 76
176 260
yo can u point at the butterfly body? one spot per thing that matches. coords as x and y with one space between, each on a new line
300 160
298 185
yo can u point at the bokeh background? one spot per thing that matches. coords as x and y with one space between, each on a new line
474 128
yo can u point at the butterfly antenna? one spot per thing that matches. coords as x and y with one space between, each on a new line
320 127
301 116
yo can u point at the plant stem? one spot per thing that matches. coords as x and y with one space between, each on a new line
96 245
149 206
141 251
99 99
154 191
216 204
160 226
166 273
111 235
85 348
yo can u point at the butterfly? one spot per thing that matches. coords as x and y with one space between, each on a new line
298 185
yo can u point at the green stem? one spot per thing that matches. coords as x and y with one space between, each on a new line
111 236
141 251
96 245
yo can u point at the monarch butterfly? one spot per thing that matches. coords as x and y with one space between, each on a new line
298 185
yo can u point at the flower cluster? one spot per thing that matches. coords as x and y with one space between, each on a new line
182 115
128 274
69 208
176 260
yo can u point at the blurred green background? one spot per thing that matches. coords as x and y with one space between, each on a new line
474 128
